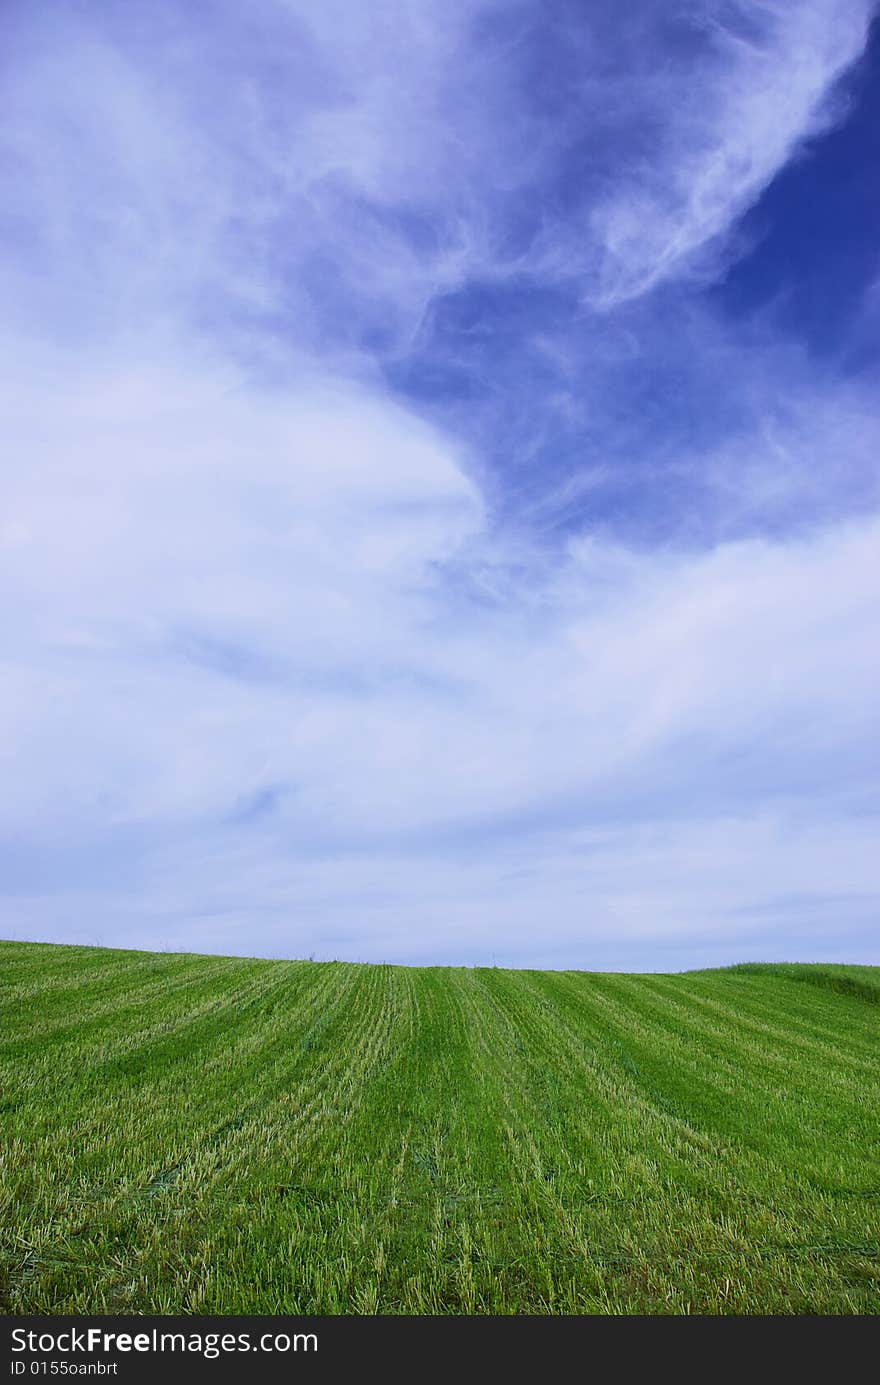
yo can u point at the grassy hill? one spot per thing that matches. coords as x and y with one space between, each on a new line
205 1134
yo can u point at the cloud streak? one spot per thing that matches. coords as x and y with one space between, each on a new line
297 159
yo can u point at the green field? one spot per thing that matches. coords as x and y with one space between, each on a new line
218 1135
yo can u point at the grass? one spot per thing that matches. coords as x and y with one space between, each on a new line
219 1135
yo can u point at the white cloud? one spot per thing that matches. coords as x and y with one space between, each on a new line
241 665
272 679
325 171
722 130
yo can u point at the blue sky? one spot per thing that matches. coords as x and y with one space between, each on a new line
440 509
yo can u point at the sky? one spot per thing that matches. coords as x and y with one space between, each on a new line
440 505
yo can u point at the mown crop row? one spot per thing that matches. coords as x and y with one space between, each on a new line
203 1134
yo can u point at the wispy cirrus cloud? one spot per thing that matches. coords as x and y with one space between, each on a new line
300 159
716 130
